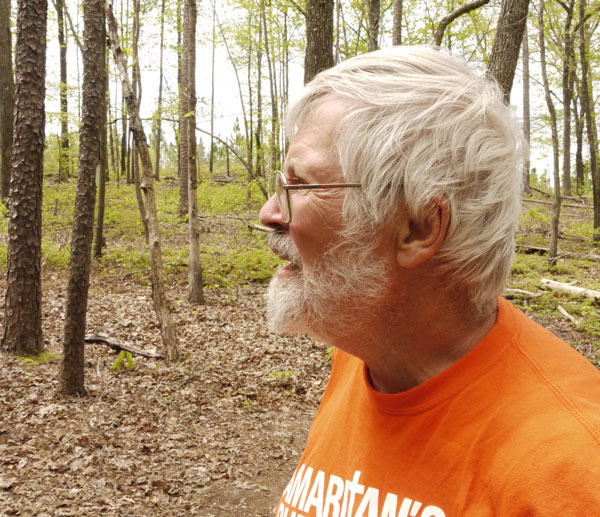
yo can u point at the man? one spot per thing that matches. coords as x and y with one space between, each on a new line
396 209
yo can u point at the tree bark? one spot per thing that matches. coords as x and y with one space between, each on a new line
587 105
374 18
7 102
103 170
182 160
579 124
160 91
23 302
161 304
211 158
195 291
273 144
64 160
397 23
526 111
72 371
505 51
567 91
319 38
553 251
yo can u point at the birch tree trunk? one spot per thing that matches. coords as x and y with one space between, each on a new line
161 304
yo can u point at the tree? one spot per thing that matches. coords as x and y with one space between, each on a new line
159 108
161 303
23 305
93 110
397 24
195 291
526 110
553 252
447 20
6 98
319 37
587 106
507 43
64 160
374 18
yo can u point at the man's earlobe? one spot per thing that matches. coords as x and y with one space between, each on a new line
418 241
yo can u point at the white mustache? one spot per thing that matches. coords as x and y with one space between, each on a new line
283 246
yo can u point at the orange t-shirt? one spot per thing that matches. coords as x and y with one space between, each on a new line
512 429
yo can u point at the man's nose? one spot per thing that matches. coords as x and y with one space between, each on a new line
270 214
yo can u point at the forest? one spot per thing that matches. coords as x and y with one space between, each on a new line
137 372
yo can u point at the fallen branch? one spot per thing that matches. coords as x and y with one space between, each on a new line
550 203
117 347
570 289
510 294
567 315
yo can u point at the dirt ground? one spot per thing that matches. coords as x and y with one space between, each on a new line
216 434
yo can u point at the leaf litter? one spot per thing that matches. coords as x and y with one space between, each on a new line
218 433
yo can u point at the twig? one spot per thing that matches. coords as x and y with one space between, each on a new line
570 289
510 294
567 315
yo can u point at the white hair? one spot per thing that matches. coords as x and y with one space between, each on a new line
422 125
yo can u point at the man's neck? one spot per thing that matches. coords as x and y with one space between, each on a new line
408 357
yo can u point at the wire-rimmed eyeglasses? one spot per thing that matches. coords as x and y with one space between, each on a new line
279 186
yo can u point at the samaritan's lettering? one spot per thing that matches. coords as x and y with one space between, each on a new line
328 495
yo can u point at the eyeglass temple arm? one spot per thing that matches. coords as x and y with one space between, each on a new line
321 185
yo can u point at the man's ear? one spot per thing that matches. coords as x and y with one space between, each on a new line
419 241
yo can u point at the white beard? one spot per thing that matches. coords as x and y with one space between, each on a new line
339 292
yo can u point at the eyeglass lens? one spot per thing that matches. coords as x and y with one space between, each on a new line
282 198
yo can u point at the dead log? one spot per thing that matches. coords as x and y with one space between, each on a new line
550 203
570 289
118 347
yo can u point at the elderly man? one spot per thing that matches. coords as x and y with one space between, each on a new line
396 209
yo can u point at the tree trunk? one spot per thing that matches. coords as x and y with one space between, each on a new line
587 106
195 292
23 305
505 51
273 144
93 108
161 304
211 159
103 174
64 160
374 17
7 102
553 251
260 170
182 160
526 111
319 37
579 123
397 24
160 90
567 91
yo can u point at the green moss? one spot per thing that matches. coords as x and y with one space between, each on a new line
44 357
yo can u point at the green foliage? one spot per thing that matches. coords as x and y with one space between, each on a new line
220 199
118 362
43 357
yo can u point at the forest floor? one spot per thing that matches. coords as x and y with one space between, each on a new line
218 433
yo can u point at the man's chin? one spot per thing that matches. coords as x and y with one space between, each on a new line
285 311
